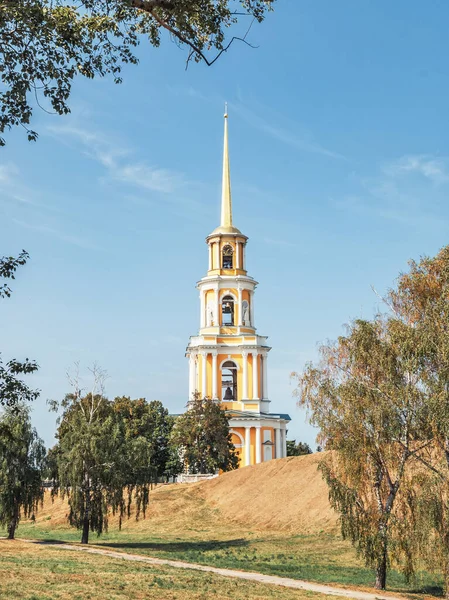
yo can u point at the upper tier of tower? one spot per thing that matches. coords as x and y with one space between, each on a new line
226 242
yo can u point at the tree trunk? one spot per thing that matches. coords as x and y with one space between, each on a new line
12 528
381 570
85 536
14 521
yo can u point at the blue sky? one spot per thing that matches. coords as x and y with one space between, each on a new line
339 142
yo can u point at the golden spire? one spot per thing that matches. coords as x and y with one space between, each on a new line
226 201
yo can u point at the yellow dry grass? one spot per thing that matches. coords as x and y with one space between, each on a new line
283 495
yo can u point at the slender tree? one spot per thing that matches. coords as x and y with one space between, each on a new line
365 398
202 437
421 302
13 390
22 461
45 44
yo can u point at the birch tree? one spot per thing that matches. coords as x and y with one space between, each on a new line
364 397
99 469
421 301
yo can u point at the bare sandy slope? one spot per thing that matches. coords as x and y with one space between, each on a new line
288 493
281 495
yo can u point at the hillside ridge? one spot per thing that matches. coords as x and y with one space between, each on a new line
287 494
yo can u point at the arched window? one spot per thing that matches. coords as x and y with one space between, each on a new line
228 257
227 311
229 381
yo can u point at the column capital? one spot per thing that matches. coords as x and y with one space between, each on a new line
245 353
214 352
255 352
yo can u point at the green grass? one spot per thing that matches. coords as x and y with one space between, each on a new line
39 572
321 558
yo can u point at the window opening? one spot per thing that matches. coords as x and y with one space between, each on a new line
227 311
228 256
229 381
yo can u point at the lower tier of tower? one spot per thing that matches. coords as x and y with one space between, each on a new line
258 438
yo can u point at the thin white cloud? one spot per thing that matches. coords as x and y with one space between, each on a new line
434 169
265 120
150 178
395 194
8 172
56 233
287 136
14 191
116 159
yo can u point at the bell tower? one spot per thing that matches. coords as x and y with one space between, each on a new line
228 359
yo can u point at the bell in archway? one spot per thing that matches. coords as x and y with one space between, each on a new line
228 394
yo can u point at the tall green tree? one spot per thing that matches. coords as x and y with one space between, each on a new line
99 467
366 399
202 437
13 390
45 44
150 421
22 461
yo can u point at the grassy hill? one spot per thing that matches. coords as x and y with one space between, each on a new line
273 518
281 495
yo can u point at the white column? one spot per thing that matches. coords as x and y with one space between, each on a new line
277 434
247 446
251 309
244 257
203 309
210 257
265 375
240 321
203 374
192 382
255 377
237 255
197 374
284 442
258 445
219 264
217 307
214 374
245 375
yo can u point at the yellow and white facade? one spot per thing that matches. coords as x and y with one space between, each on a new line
228 359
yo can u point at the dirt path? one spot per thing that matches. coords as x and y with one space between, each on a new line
259 577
